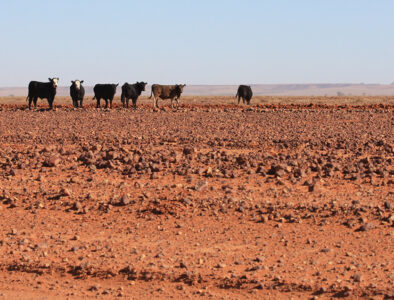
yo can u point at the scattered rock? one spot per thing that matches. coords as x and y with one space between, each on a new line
366 227
52 161
124 200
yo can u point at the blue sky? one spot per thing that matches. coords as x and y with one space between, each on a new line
197 42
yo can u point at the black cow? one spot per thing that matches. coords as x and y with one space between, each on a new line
244 92
77 92
132 91
106 92
42 90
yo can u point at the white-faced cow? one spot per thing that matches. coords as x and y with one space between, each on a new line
172 92
42 90
106 92
77 92
244 92
132 91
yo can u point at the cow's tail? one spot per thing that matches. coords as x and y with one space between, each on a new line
236 95
27 97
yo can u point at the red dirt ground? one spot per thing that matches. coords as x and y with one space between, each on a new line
273 201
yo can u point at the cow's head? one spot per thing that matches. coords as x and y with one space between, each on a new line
180 87
77 83
141 85
54 81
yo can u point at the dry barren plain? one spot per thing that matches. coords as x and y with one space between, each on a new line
289 198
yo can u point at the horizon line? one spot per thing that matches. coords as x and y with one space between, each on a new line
229 84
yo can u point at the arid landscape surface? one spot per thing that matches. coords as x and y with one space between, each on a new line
289 198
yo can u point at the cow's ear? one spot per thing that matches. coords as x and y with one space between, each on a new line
72 81
50 79
81 81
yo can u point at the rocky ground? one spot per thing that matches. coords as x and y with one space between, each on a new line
209 201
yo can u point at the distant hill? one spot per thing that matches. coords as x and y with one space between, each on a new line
258 89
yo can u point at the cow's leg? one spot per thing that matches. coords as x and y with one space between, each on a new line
127 102
177 102
155 102
106 103
172 103
50 102
30 100
80 103
35 101
98 102
239 99
134 103
110 103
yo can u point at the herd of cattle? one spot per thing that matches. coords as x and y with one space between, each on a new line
47 90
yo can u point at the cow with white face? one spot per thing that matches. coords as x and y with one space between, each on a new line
77 92
42 90
54 81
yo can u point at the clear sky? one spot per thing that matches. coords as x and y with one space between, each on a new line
197 41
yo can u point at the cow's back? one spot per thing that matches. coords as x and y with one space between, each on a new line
41 89
33 86
127 90
163 91
104 90
245 91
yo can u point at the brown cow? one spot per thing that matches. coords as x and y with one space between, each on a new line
172 92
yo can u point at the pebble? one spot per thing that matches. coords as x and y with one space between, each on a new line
52 161
326 250
125 200
366 227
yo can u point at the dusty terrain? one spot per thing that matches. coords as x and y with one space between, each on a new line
213 201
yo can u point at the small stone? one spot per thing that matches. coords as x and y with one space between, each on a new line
188 150
94 287
186 201
201 185
65 192
77 205
315 187
357 278
388 205
326 250
366 227
125 200
52 161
